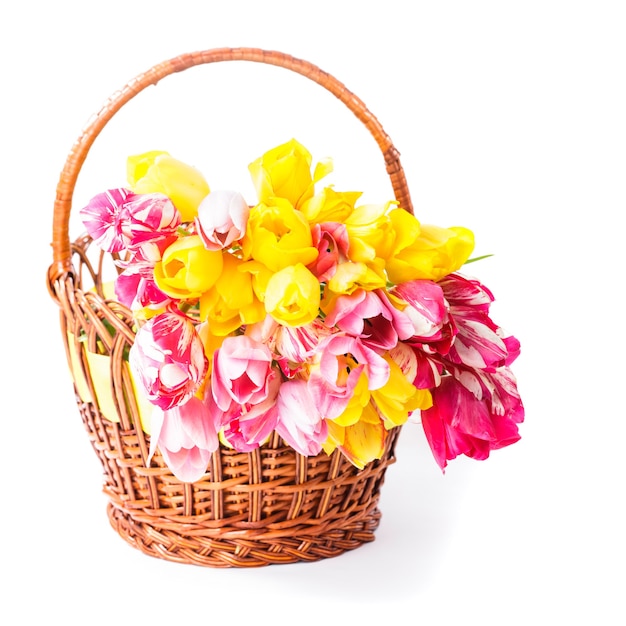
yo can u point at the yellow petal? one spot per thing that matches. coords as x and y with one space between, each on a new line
144 407
82 387
158 172
364 442
100 374
293 296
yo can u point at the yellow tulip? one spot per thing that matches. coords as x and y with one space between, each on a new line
158 172
351 276
398 398
362 442
188 269
424 251
358 401
292 296
211 343
259 275
370 232
285 172
231 302
330 206
278 236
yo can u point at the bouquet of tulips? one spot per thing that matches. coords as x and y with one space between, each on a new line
307 314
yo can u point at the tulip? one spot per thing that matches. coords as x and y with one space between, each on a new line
103 219
278 236
140 294
150 225
186 435
285 172
370 232
349 277
331 241
299 424
168 359
426 307
479 342
232 301
292 296
222 218
330 206
188 269
334 378
242 371
159 172
398 397
473 423
299 344
360 443
247 426
371 316
425 251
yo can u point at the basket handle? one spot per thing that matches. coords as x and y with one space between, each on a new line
61 265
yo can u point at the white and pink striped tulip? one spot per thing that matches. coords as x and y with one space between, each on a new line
168 359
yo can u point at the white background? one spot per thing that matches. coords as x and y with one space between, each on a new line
511 120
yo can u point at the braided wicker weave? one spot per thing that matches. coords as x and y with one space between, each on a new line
271 505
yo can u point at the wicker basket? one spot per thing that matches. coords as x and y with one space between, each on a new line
271 505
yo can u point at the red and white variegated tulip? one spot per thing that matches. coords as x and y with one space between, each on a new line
299 344
150 223
473 413
168 359
479 342
427 309
421 369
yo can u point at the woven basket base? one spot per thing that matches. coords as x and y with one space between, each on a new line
265 549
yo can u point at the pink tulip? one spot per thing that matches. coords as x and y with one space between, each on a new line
331 241
473 423
168 359
242 371
186 435
222 219
370 316
299 424
247 426
343 359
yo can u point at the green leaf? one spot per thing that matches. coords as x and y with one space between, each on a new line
478 258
